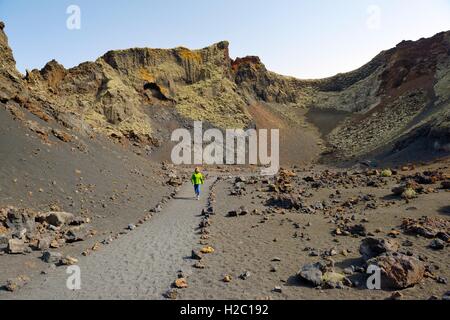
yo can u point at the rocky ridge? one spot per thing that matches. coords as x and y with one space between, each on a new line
395 100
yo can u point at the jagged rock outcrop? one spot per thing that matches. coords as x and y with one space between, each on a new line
11 86
413 101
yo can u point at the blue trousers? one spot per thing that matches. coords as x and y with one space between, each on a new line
197 189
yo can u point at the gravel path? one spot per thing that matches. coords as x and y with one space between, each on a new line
139 265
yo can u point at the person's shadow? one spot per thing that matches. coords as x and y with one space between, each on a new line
185 198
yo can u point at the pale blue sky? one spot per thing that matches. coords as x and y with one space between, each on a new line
306 39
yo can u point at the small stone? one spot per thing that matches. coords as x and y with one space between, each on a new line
54 244
396 296
68 261
232 213
199 265
227 278
243 211
348 271
207 249
277 290
51 257
276 259
437 244
332 252
131 227
196 255
314 253
16 283
171 294
180 283
442 280
245 275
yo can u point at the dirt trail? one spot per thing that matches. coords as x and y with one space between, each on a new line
139 265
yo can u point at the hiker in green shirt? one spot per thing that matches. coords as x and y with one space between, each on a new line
197 180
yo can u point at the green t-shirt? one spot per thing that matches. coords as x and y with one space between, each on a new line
197 178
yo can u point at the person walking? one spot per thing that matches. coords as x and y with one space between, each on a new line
197 180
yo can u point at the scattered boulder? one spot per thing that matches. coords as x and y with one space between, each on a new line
284 201
356 230
196 255
408 189
51 257
445 185
44 243
175 181
17 220
58 219
16 246
409 194
333 279
386 173
232 213
243 211
437 244
76 234
373 247
313 273
428 227
245 275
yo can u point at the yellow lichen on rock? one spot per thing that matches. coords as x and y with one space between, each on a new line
145 75
187 54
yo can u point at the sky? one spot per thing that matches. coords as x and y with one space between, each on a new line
302 38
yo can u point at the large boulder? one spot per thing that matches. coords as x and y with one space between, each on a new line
285 201
373 247
399 271
312 273
58 219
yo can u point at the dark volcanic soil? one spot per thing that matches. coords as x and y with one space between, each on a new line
93 178
255 241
